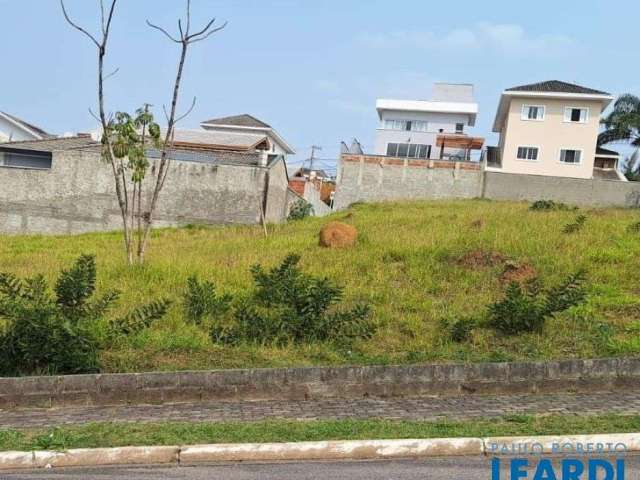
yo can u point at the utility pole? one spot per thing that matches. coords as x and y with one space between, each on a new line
313 155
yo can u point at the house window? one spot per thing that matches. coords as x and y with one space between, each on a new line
407 125
532 112
459 127
576 115
408 150
25 159
418 126
528 153
570 156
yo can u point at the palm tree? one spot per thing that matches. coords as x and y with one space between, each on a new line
623 125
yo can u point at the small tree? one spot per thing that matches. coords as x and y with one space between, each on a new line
128 189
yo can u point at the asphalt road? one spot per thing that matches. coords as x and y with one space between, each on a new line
451 468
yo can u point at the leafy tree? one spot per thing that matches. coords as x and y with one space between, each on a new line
623 125
121 147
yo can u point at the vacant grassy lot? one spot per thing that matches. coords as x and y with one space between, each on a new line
122 434
412 264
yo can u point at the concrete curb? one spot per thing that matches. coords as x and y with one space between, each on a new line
327 450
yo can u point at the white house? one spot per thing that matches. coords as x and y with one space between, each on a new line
429 129
13 129
249 125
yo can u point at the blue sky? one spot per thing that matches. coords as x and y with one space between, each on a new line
312 69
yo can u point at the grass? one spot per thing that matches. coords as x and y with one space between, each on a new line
406 265
122 434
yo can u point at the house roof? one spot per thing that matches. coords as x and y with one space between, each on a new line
222 140
243 120
247 123
28 127
547 89
556 86
606 152
53 144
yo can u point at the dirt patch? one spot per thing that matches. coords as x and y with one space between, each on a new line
519 272
481 259
338 235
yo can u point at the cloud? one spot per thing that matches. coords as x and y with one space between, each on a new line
507 39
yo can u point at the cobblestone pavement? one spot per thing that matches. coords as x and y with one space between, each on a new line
423 408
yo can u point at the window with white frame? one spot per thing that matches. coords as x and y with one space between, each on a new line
532 112
410 150
576 114
459 127
570 156
527 153
408 125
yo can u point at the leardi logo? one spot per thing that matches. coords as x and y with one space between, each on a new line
576 461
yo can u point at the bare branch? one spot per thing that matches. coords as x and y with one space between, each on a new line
166 114
102 16
182 36
194 40
112 74
94 115
203 30
107 26
76 26
188 16
162 30
184 115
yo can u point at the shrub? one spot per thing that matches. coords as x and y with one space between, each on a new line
460 330
56 332
576 226
300 209
634 227
201 301
526 307
542 205
288 305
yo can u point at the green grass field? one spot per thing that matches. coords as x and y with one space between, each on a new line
98 435
406 265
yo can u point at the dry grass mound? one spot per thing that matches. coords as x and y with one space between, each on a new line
338 235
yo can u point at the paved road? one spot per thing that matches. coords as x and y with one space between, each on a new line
458 468
424 408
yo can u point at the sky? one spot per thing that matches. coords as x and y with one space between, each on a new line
310 68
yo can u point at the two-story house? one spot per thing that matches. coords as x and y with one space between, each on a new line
551 128
429 129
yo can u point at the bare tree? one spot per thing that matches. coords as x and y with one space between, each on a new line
184 38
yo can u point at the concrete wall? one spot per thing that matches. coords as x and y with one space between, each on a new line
312 195
364 178
319 382
550 135
574 191
77 195
375 179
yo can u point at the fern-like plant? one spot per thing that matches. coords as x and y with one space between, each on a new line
576 226
55 332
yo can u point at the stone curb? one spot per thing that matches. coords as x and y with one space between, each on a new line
327 450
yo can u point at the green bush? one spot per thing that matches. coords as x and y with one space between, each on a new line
460 330
542 205
201 301
51 333
576 226
289 306
300 209
526 307
634 228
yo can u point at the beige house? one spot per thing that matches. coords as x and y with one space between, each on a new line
551 128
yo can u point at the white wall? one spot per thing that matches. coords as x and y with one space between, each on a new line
9 131
435 122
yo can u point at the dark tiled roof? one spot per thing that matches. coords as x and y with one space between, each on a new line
54 144
244 120
555 86
606 151
29 126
